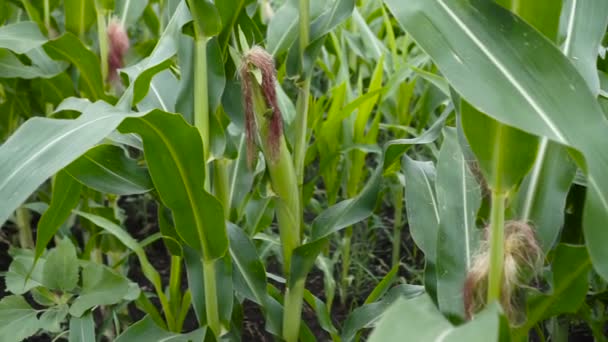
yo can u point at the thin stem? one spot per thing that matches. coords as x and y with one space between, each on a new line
293 311
303 96
346 244
47 15
221 184
397 225
201 98
26 239
175 283
102 37
497 227
213 318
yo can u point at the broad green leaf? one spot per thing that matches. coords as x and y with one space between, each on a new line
458 200
130 11
69 48
146 331
21 37
20 269
141 73
249 274
12 67
172 240
505 154
18 320
65 197
79 15
511 85
162 93
586 26
206 17
52 318
82 328
107 168
194 268
61 267
367 315
543 192
41 147
421 205
173 147
418 319
100 286
541 14
569 286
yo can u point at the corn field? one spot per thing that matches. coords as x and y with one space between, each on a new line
303 170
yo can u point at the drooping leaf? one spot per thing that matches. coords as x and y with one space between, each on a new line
172 147
141 73
21 37
107 168
65 197
511 86
69 48
41 147
458 199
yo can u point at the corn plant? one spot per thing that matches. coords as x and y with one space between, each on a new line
226 170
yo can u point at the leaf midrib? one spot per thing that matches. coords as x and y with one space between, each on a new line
184 180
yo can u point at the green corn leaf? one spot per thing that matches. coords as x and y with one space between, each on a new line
458 199
511 86
173 147
21 37
249 274
65 197
79 15
12 67
421 205
107 168
69 48
367 315
206 17
41 147
129 11
418 319
569 286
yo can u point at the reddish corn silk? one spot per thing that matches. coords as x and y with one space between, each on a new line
119 45
262 60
